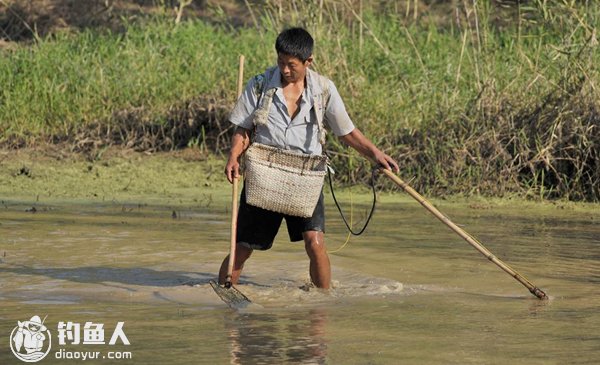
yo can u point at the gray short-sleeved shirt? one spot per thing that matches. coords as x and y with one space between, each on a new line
300 134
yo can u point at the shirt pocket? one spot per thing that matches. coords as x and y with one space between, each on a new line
302 121
309 122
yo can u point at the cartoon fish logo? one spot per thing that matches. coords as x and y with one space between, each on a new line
28 340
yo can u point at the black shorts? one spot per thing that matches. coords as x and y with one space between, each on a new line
257 227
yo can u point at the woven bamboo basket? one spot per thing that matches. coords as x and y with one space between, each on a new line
283 181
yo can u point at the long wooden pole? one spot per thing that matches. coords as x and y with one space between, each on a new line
234 195
467 237
233 241
240 83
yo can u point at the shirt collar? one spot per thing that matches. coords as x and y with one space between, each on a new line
274 79
313 87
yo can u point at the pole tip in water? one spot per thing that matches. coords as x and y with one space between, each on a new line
539 293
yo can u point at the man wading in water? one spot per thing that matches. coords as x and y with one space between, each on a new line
281 108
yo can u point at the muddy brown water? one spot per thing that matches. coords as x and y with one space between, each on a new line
409 291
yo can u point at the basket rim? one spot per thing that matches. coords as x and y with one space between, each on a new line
257 145
286 160
285 168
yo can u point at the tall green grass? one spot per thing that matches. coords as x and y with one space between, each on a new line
67 81
484 100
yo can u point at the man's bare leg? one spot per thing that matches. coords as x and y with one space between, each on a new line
242 254
320 268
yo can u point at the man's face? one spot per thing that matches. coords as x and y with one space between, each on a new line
292 68
34 327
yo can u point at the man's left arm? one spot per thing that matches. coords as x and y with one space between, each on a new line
357 140
339 121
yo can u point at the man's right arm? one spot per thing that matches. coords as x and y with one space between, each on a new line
241 116
239 142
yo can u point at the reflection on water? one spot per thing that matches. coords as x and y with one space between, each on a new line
278 338
104 275
407 292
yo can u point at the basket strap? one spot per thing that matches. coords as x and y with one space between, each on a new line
322 102
265 101
261 114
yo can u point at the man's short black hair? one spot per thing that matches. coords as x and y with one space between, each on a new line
296 42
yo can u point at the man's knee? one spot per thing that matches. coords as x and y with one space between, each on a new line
242 253
314 243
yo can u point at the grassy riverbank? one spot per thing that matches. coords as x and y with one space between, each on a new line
487 100
183 179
